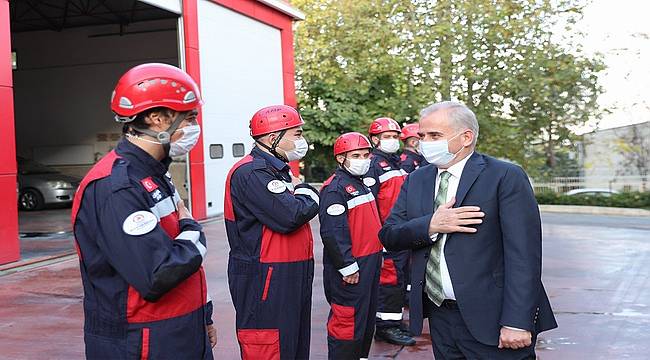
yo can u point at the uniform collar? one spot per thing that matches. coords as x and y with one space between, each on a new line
141 158
275 162
457 169
390 157
346 174
413 153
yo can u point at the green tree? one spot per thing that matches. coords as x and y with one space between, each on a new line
357 60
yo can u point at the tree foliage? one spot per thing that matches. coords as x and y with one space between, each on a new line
357 60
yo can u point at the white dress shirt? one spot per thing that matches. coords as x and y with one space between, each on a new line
456 171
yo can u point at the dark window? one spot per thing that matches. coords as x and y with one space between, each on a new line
216 151
238 150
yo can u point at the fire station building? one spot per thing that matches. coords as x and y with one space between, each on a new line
60 59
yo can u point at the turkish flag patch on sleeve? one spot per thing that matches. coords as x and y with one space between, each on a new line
148 184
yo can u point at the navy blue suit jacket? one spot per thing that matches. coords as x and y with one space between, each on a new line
495 272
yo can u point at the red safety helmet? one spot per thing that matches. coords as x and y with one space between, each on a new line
148 86
274 118
349 142
383 124
409 130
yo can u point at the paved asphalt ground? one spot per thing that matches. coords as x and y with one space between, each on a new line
595 271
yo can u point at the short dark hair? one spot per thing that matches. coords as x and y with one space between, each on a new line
138 123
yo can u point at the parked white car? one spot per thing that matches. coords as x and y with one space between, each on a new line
592 192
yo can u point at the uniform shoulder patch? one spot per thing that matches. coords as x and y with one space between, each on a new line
335 209
369 181
383 163
276 186
351 189
148 184
403 157
139 223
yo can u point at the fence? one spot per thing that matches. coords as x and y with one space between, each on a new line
618 183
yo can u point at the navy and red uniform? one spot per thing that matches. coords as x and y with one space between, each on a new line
349 228
411 161
271 260
144 286
385 178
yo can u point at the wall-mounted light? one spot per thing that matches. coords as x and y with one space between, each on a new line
13 60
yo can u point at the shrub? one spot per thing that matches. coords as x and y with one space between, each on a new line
626 199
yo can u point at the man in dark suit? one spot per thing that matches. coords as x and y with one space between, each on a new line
474 229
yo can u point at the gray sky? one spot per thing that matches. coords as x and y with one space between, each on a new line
620 30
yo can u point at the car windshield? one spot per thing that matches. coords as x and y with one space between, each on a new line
31 167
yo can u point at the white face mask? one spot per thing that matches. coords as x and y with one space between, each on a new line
183 145
358 167
299 151
389 145
437 152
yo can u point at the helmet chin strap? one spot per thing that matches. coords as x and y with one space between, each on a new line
273 148
164 137
342 164
372 144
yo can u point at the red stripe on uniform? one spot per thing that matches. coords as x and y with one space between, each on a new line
328 181
186 297
183 299
170 224
388 193
144 352
267 283
101 170
292 247
365 229
388 275
228 210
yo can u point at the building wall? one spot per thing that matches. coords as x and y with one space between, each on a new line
73 81
64 81
604 153
195 44
9 246
243 74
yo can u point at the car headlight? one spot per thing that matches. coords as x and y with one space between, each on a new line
60 185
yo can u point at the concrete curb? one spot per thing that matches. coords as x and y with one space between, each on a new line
593 210
34 263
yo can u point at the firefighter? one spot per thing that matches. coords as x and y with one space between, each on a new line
385 179
352 258
140 250
271 267
411 159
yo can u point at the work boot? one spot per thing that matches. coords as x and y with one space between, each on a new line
394 335
404 328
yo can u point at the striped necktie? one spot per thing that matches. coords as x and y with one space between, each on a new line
433 286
